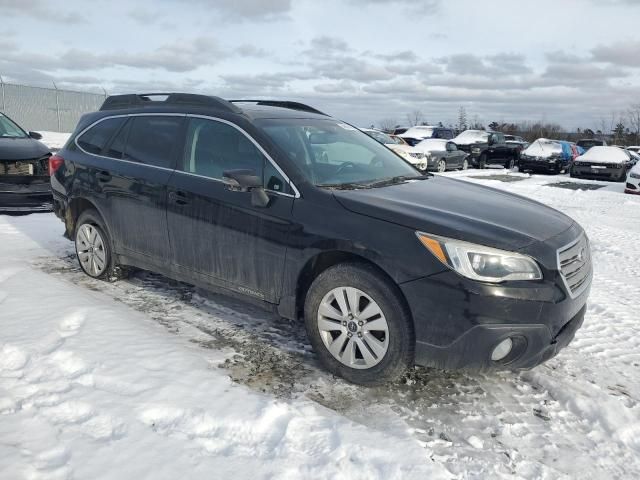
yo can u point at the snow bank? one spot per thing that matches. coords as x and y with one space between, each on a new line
90 389
604 155
54 140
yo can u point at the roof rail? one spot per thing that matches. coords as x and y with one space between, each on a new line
283 104
141 100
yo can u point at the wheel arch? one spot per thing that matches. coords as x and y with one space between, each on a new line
76 206
322 261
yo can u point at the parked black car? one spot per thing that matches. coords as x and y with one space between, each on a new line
24 169
487 147
587 143
387 266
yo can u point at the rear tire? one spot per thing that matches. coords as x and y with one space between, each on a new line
510 165
94 248
364 356
442 166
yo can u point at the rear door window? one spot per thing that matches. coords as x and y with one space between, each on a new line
152 140
95 139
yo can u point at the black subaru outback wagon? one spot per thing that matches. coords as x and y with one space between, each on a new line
301 212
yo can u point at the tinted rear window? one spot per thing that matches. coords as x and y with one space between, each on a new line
94 139
152 140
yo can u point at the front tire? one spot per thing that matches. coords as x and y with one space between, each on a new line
482 162
465 164
359 325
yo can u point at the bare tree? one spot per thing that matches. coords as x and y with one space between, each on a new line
387 124
633 116
414 118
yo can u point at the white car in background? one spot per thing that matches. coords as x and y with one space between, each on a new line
633 180
415 157
634 148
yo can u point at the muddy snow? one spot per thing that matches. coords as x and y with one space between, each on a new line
152 378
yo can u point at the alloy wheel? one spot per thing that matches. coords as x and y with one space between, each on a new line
91 251
465 164
442 166
353 328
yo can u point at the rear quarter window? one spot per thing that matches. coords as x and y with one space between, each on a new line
95 139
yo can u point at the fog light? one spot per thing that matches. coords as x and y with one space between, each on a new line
502 350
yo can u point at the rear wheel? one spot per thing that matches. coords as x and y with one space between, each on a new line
358 324
442 166
510 165
93 247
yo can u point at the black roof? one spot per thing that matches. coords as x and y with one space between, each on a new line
182 101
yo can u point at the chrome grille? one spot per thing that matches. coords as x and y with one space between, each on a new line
574 263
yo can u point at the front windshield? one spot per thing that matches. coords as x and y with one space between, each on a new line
472 136
542 148
8 129
333 154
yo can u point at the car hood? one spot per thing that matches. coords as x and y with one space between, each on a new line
461 210
21 149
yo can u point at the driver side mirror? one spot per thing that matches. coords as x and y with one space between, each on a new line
246 181
35 135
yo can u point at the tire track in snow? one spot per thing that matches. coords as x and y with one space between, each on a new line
500 426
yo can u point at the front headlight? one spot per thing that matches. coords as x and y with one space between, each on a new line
475 150
634 175
481 263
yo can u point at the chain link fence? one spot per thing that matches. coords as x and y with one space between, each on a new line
46 109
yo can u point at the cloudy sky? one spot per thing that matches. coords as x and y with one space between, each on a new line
573 62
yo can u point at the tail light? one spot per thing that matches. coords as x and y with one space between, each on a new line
55 162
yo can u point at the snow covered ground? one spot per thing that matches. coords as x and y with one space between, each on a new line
54 140
151 378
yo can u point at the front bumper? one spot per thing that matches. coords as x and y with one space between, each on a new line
540 165
632 186
606 173
34 196
458 322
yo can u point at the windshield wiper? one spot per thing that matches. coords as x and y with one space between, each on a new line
395 180
343 186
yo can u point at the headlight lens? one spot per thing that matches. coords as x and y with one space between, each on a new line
475 150
634 175
478 262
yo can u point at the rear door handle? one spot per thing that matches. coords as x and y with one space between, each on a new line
178 197
103 176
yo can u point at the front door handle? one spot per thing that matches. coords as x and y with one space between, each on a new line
178 197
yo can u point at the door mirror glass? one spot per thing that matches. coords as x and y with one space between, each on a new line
35 135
